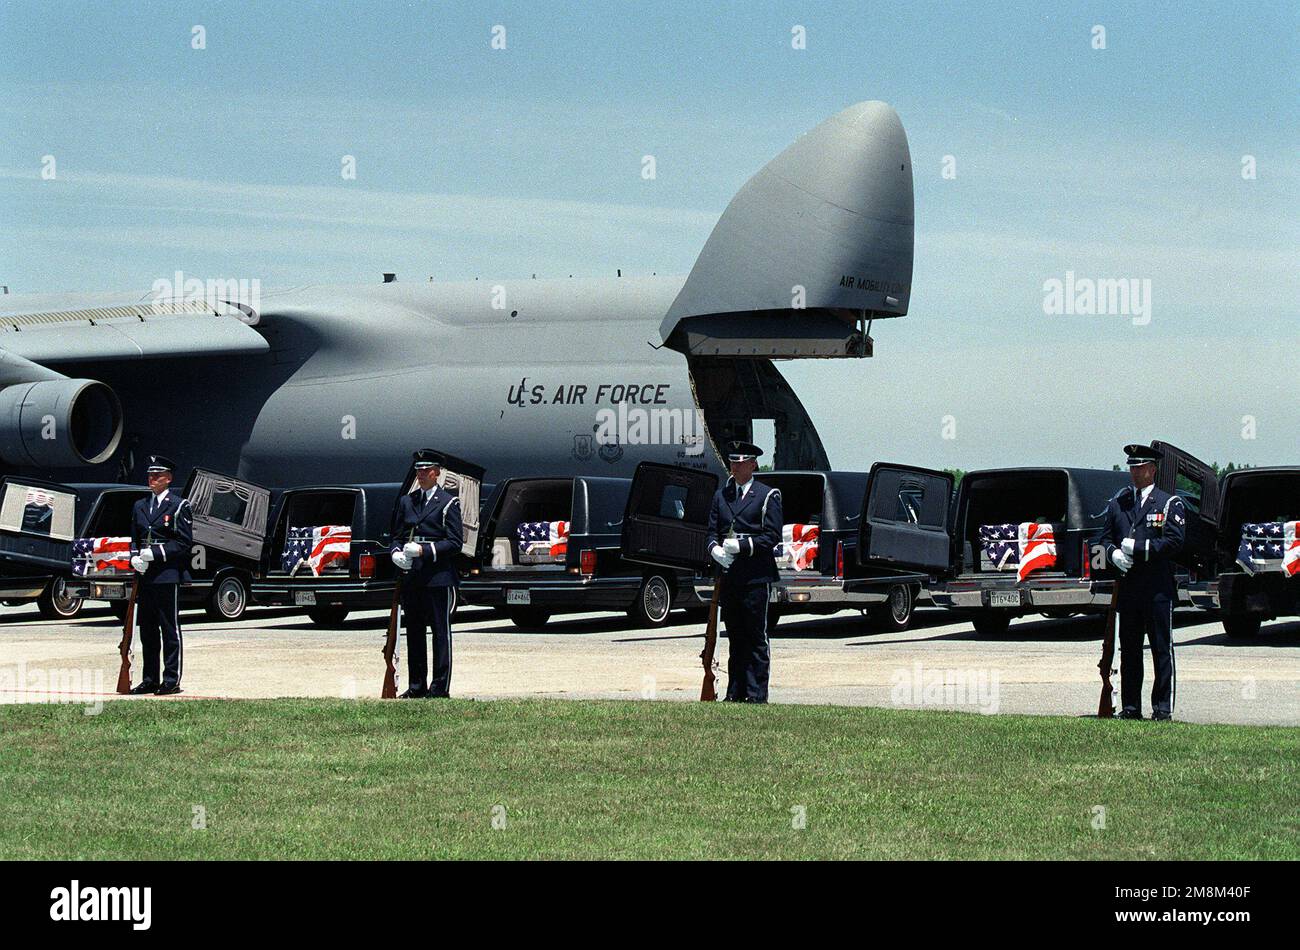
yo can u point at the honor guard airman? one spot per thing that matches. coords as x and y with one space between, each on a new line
744 530
162 531
1144 531
427 536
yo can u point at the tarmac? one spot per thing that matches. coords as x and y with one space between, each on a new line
1040 667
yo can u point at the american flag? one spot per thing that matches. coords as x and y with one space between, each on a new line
543 538
1000 544
92 555
1037 548
1269 545
798 548
321 548
1029 546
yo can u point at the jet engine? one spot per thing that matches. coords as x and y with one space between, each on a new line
59 423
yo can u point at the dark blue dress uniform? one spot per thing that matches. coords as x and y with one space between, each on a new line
1148 591
167 529
429 587
755 519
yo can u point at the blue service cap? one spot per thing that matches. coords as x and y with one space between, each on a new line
737 451
427 458
1139 454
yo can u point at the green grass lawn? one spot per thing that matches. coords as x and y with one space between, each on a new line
370 779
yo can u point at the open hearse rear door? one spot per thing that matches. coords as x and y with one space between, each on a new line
38 521
231 516
666 519
904 526
1182 474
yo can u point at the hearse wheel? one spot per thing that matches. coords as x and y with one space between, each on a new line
328 616
654 601
991 623
228 598
895 614
529 618
1239 628
55 603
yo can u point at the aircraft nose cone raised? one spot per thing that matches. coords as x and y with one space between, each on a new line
857 160
826 225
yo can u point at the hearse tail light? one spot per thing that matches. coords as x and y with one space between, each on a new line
839 559
1086 573
366 565
589 562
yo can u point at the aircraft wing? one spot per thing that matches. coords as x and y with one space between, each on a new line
45 329
52 421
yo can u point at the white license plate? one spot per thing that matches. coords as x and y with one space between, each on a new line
110 591
304 598
518 597
1004 598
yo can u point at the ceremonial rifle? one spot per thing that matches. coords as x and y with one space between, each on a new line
128 628
1106 706
709 691
389 690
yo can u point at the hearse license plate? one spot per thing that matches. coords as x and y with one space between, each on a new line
304 598
110 591
1004 598
518 597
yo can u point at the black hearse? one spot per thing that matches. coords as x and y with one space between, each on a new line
550 545
826 578
330 587
877 561
1073 501
362 577
230 518
38 523
1247 594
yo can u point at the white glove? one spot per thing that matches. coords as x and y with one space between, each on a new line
731 545
1127 545
139 564
721 556
411 549
1121 560
402 562
146 555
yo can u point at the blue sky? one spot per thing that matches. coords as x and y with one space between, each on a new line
1123 162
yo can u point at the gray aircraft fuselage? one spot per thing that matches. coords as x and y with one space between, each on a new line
357 376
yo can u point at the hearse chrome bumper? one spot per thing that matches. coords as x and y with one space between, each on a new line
983 594
814 591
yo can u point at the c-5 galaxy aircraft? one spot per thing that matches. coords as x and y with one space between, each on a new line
339 383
